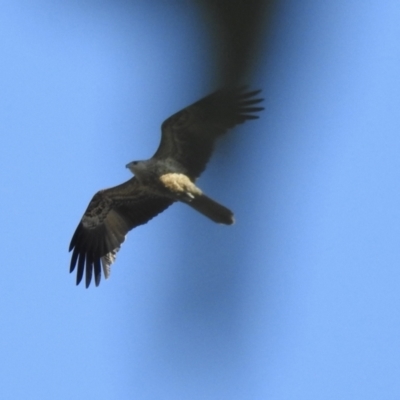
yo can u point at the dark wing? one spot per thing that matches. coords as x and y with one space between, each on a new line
189 135
111 214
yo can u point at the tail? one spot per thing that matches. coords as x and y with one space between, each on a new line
211 209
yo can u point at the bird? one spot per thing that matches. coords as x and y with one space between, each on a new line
187 142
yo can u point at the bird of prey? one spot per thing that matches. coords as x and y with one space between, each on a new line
187 142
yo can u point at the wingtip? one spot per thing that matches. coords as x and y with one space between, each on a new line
244 93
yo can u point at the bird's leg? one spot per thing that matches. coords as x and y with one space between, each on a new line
180 186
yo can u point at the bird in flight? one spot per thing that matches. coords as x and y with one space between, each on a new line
187 142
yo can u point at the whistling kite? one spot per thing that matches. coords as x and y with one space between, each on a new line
187 142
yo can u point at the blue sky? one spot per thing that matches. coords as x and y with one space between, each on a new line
298 300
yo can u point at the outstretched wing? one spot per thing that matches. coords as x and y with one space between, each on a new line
111 214
189 135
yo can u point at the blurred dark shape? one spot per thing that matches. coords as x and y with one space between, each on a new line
239 29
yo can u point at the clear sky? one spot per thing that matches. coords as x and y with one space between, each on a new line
300 299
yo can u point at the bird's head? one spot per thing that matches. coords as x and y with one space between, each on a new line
138 168
133 166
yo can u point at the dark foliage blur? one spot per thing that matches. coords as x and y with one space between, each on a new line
239 29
